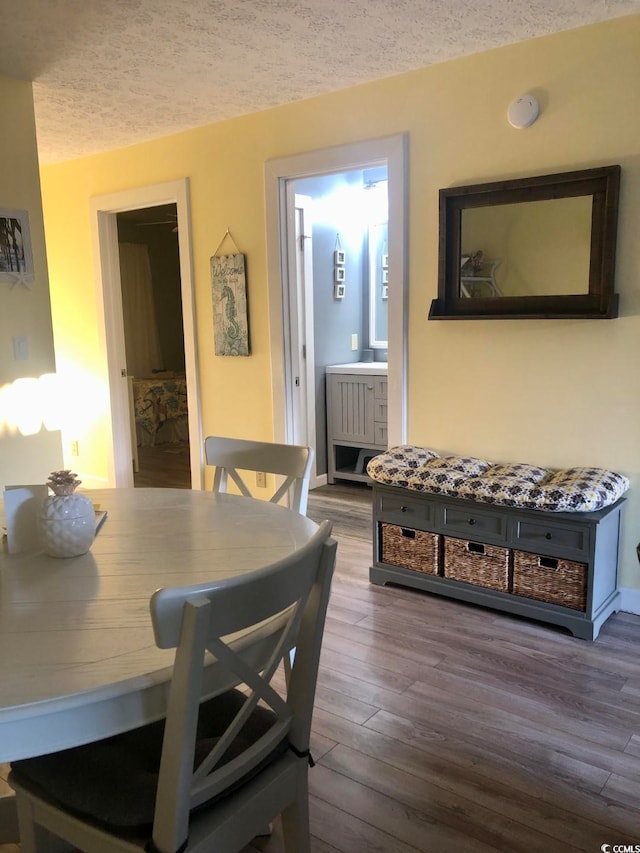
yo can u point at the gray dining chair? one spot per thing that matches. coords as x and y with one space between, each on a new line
292 461
216 772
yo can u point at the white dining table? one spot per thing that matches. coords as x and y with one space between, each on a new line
78 660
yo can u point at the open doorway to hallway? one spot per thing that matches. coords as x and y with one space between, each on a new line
154 345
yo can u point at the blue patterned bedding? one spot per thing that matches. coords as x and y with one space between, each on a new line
157 401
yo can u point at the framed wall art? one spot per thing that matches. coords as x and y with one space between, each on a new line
16 258
229 292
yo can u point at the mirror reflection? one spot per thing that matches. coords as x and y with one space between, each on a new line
378 284
534 248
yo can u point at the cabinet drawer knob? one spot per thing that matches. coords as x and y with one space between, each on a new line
548 536
472 521
403 509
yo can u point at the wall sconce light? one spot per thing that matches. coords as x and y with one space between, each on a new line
523 111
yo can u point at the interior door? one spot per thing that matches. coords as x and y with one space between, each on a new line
301 382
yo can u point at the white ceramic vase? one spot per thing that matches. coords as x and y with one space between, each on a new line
67 525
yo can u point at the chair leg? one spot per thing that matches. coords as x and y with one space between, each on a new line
8 820
35 838
295 819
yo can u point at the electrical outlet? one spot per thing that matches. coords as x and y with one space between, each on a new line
354 343
75 448
261 480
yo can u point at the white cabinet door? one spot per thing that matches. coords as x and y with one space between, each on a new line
351 408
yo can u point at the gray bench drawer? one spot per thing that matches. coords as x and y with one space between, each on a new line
474 523
556 539
407 513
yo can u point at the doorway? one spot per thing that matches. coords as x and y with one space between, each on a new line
289 317
154 345
161 199
330 319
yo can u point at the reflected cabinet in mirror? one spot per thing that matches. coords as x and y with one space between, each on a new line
538 247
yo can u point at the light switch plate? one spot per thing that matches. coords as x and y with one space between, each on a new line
20 348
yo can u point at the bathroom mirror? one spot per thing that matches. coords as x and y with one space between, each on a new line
378 285
537 247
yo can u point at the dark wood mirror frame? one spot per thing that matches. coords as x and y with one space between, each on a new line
600 301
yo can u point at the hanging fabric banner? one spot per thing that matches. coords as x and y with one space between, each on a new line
229 290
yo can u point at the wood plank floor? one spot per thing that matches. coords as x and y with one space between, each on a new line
165 465
444 726
441 726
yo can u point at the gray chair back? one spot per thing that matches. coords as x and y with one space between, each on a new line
293 595
291 461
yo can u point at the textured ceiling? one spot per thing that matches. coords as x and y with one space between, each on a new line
109 73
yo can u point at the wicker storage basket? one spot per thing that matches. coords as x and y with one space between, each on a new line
410 549
548 579
477 563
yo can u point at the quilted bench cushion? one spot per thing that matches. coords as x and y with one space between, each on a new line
515 484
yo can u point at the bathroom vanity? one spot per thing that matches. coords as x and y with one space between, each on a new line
356 418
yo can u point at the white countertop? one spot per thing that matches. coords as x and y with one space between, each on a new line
362 368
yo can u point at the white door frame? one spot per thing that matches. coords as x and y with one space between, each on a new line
392 151
301 361
104 233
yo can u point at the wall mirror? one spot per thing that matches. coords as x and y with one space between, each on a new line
378 285
537 247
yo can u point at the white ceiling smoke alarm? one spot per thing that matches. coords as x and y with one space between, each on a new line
523 111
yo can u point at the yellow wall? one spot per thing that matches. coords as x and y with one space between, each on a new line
24 311
557 393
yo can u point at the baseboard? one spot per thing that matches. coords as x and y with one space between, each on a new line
317 482
630 600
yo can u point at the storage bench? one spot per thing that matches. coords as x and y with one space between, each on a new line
556 567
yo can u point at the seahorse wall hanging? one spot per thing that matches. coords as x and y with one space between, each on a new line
229 290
